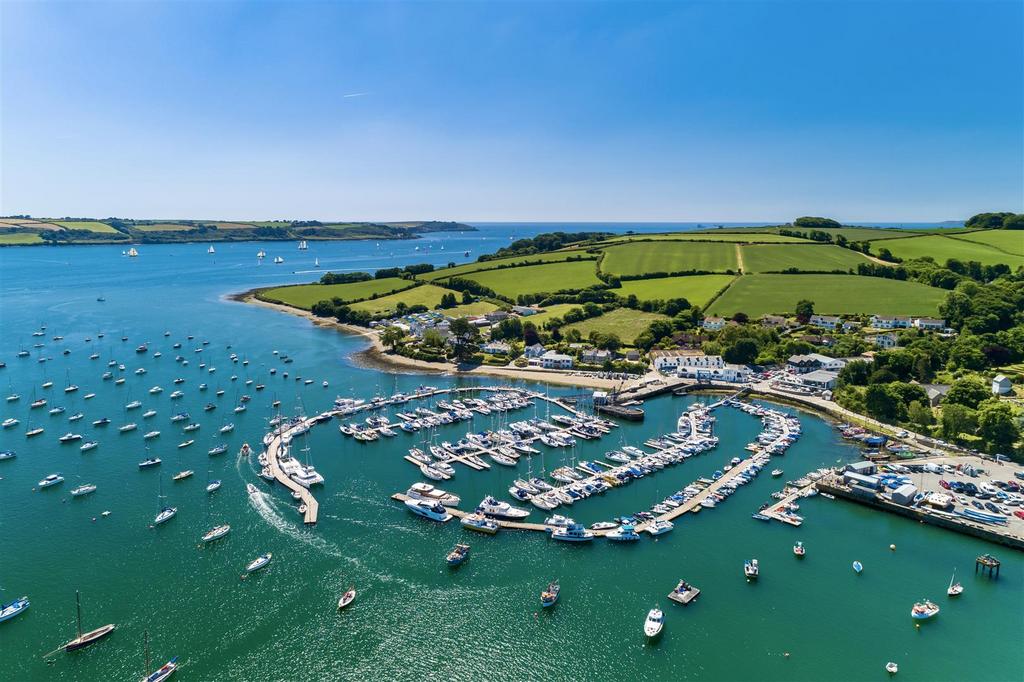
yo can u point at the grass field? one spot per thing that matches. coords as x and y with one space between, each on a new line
534 279
459 270
810 257
1011 241
163 227
547 313
623 322
668 256
305 295
746 237
697 289
467 309
943 248
91 225
758 295
427 294
20 238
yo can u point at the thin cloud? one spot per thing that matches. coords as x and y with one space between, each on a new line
355 94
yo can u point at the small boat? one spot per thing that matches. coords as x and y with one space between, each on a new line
217 450
83 490
858 567
799 550
151 462
70 437
51 480
148 414
165 515
130 426
216 533
659 527
213 485
8 611
954 588
227 428
751 569
480 523
7 454
150 435
924 609
185 444
458 555
252 490
776 473
10 422
182 475
102 421
605 525
572 533
84 639
549 597
654 623
434 511
624 533
347 598
891 668
259 562
163 672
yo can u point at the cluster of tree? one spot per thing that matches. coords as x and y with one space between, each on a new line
989 308
407 272
337 309
470 288
589 295
68 236
447 301
815 235
584 312
344 277
1005 221
926 271
549 241
670 307
815 221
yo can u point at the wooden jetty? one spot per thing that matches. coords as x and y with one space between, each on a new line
277 444
987 562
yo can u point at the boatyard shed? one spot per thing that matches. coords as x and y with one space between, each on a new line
862 468
854 479
904 494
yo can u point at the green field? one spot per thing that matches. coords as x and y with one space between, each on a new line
535 279
943 248
547 313
91 225
744 237
20 238
305 295
468 309
758 295
427 294
809 257
459 270
697 289
1011 241
668 256
626 323
163 227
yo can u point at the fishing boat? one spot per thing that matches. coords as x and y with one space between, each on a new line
259 562
216 533
799 550
458 555
924 609
163 672
83 490
684 593
480 523
549 596
8 611
751 569
954 588
52 479
347 598
84 639
858 567
654 623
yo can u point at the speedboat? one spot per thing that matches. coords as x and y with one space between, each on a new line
165 515
259 562
924 609
776 473
252 490
799 550
213 485
83 490
216 533
549 597
217 450
52 479
458 555
751 569
350 596
654 623
480 523
69 437
434 511
102 421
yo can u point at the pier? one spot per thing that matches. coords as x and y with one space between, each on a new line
277 444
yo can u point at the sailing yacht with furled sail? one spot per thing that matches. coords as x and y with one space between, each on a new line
84 639
163 672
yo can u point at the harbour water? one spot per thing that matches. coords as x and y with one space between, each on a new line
413 617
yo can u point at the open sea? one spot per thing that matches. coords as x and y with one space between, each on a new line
414 618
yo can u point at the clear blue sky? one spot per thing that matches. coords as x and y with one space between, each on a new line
897 111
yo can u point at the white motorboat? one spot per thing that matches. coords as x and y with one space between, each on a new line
572 533
427 492
434 511
83 490
52 479
654 623
502 510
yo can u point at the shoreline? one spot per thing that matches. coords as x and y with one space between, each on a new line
377 357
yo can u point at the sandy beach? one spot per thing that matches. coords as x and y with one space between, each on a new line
375 355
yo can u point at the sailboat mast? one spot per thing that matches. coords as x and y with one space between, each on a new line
146 638
78 612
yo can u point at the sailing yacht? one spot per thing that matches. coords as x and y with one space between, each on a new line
167 669
303 245
84 639
954 588
166 513
211 249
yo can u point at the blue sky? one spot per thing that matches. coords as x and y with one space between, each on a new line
608 111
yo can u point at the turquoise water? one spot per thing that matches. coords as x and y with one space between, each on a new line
413 617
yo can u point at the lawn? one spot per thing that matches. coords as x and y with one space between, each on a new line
626 323
534 279
467 309
744 237
305 295
91 225
697 289
20 238
427 294
943 248
460 270
758 295
547 313
1011 241
808 257
668 256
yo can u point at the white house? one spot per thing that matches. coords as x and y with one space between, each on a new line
727 372
825 321
774 321
1000 385
802 364
929 324
713 323
898 322
669 361
534 351
883 340
555 360
496 348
